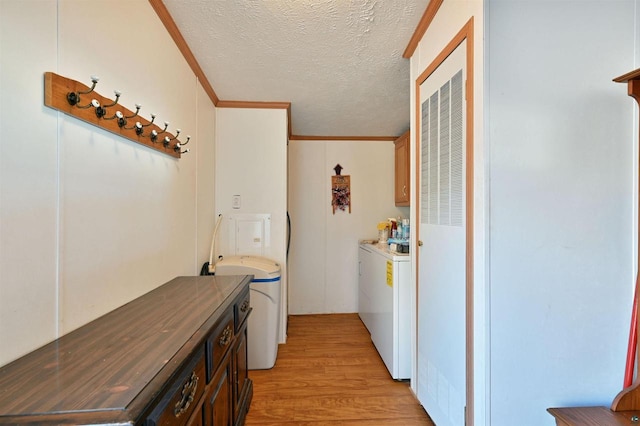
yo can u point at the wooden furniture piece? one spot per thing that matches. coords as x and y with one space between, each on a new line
593 416
625 409
174 356
402 158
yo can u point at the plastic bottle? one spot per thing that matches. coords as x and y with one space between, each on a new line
405 229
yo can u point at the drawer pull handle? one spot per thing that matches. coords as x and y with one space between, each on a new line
188 394
226 336
244 307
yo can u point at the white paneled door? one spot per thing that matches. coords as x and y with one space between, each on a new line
441 384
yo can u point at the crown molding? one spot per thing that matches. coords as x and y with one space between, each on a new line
425 21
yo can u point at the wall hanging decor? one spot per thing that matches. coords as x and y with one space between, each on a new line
83 102
340 191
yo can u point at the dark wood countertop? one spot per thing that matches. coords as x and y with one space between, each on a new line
117 362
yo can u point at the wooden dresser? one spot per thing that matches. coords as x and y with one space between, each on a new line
175 356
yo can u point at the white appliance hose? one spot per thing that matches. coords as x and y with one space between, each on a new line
212 265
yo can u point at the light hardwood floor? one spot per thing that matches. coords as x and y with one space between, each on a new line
329 373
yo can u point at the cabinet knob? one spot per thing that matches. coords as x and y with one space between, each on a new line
226 337
419 243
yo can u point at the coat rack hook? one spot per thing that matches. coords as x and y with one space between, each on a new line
153 117
177 148
74 97
94 103
117 115
140 127
137 126
117 93
167 140
154 134
94 81
138 106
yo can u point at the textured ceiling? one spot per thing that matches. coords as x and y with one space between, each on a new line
339 62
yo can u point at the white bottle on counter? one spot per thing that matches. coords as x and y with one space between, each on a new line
405 229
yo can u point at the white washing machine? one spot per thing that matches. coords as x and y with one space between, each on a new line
265 300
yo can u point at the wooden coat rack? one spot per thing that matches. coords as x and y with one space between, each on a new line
91 107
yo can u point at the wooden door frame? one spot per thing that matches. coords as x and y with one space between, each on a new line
466 33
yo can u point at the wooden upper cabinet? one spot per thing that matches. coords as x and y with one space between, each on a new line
402 170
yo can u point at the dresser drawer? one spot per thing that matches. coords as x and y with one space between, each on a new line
219 342
181 397
241 309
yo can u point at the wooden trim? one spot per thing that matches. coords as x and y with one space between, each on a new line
342 138
254 104
466 33
423 25
174 32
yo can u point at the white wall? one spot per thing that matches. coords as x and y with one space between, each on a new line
562 194
323 261
88 220
251 154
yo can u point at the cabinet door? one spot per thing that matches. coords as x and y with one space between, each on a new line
241 376
196 419
402 170
218 405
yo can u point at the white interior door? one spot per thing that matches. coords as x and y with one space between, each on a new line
441 384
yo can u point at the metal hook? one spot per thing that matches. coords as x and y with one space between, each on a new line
94 103
166 124
187 141
177 148
138 106
138 126
117 115
167 139
154 133
153 117
117 93
74 97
